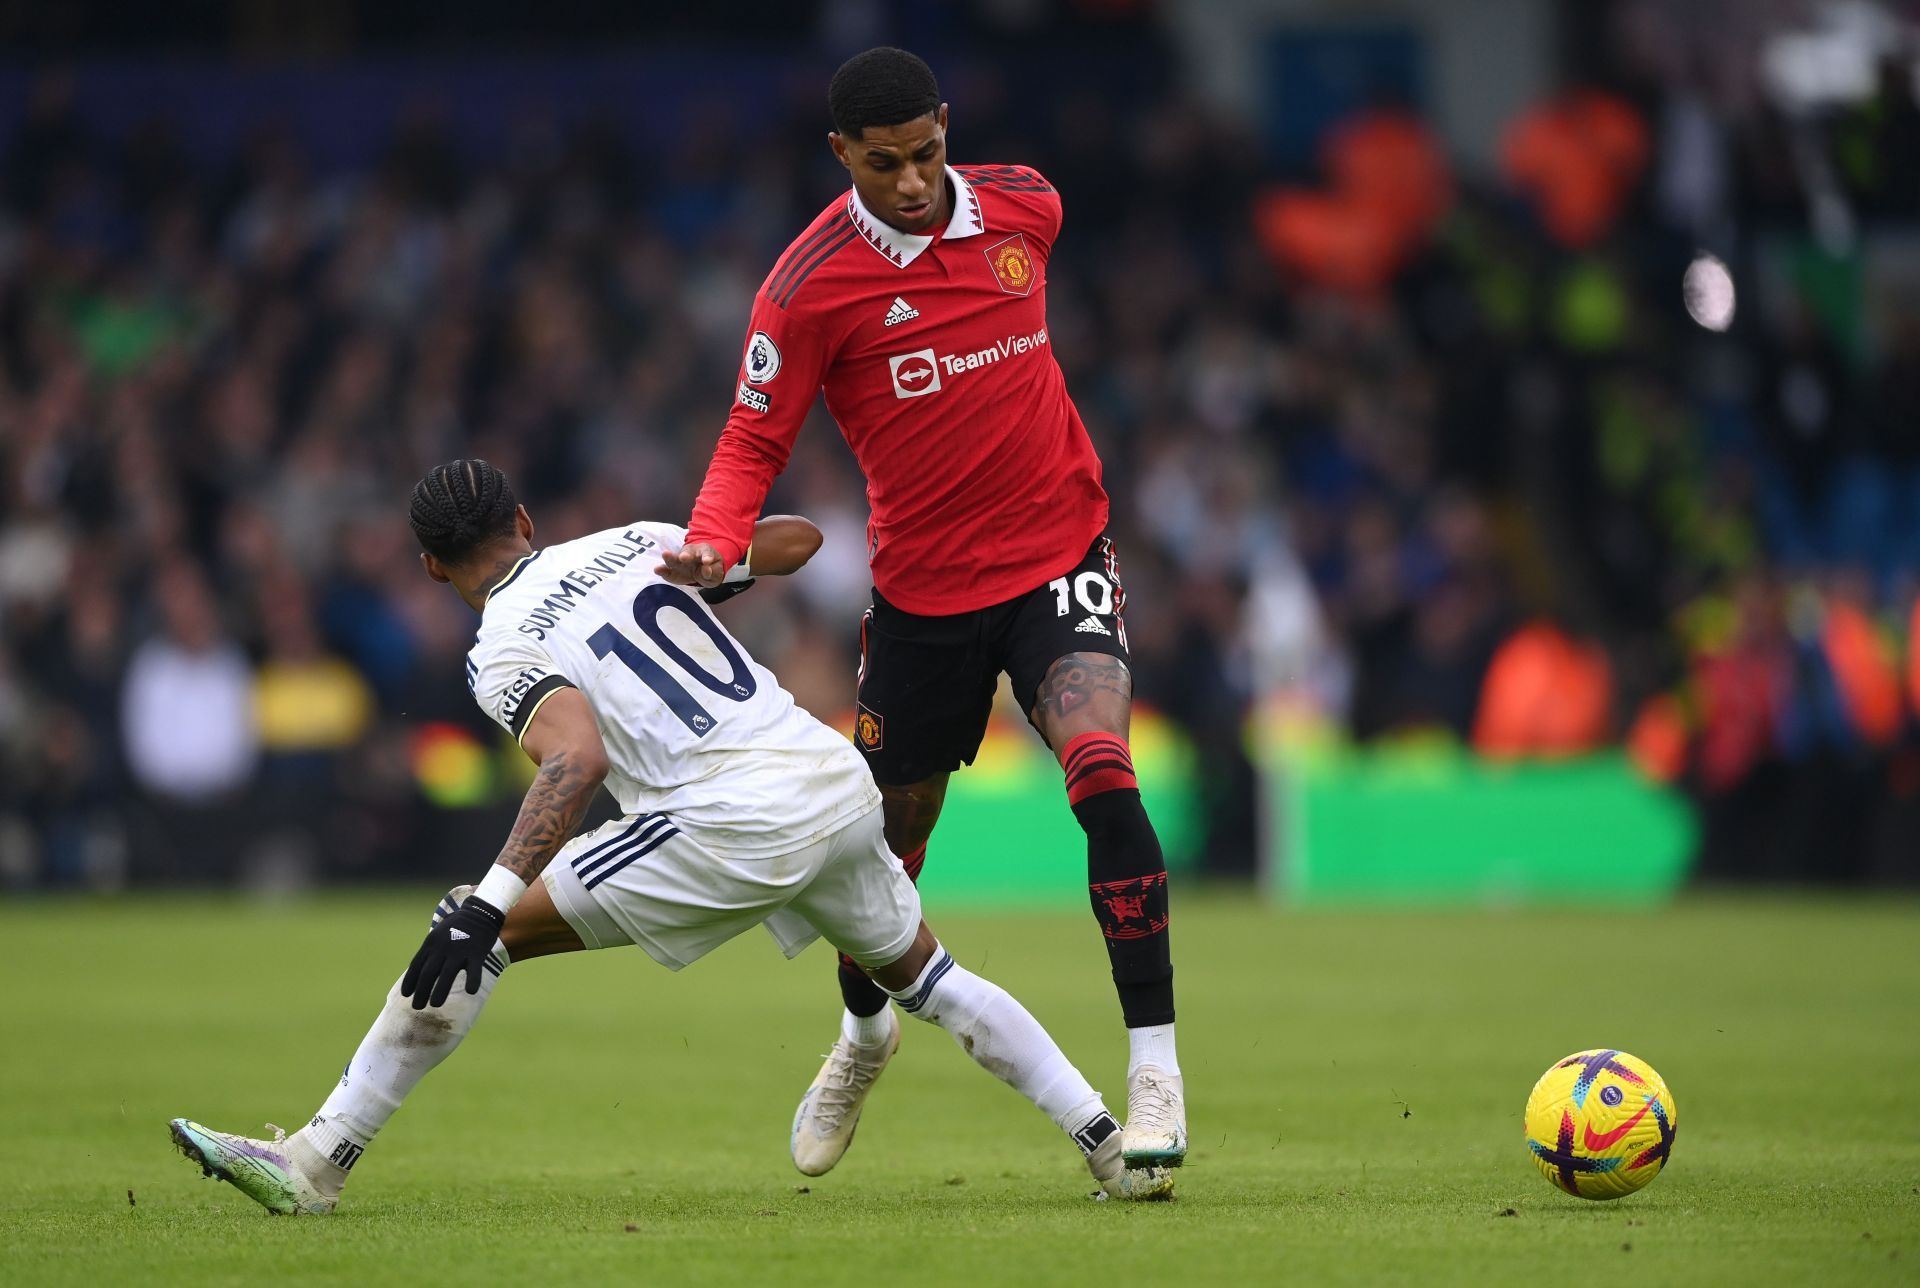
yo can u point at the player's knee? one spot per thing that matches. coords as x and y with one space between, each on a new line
1096 764
909 813
902 972
535 928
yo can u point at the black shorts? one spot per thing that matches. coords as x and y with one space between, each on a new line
927 683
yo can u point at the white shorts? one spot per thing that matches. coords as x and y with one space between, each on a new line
644 880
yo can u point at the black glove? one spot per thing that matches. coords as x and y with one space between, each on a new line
459 943
722 593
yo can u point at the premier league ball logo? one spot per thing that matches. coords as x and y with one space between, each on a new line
763 358
1600 1124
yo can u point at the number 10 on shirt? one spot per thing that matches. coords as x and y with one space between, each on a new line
647 607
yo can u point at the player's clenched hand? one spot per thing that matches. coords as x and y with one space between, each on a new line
696 565
459 943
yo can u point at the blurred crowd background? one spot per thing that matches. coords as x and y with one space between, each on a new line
1412 430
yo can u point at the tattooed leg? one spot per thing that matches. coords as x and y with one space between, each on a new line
1083 693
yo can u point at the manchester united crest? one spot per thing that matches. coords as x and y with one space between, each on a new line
1012 265
868 730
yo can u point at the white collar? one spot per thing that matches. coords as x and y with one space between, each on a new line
901 249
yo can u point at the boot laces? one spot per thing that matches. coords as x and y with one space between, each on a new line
1151 1102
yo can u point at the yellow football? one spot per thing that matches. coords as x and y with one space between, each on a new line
1600 1124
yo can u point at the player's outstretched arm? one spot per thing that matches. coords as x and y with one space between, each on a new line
565 742
782 544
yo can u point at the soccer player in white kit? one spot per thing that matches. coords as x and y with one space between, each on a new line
738 809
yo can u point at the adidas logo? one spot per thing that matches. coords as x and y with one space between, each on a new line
901 312
461 934
1091 626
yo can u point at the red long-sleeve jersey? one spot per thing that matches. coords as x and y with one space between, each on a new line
934 355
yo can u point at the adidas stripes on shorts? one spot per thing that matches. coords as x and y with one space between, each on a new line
644 879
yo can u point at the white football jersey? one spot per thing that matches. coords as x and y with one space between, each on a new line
694 728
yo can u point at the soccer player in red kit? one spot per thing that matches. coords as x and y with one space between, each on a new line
917 302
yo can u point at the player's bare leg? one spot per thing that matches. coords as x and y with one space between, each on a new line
829 1113
1005 1040
1084 710
305 1172
909 813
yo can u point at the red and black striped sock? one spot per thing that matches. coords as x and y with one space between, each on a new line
1126 874
862 996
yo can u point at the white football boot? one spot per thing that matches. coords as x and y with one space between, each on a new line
824 1124
283 1175
1119 1181
1156 1134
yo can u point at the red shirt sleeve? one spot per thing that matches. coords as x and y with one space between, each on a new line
1052 212
781 371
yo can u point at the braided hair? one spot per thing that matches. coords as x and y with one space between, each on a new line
460 507
883 86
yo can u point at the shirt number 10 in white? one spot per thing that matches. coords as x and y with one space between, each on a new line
1093 590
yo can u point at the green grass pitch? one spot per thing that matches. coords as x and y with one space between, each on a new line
1355 1083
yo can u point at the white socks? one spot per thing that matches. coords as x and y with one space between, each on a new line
1152 1044
401 1048
867 1032
1003 1039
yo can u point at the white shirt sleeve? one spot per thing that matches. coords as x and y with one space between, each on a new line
510 675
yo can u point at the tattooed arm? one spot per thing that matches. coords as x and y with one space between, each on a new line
565 742
563 739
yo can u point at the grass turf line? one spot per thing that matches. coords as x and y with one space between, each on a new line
1355 1086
